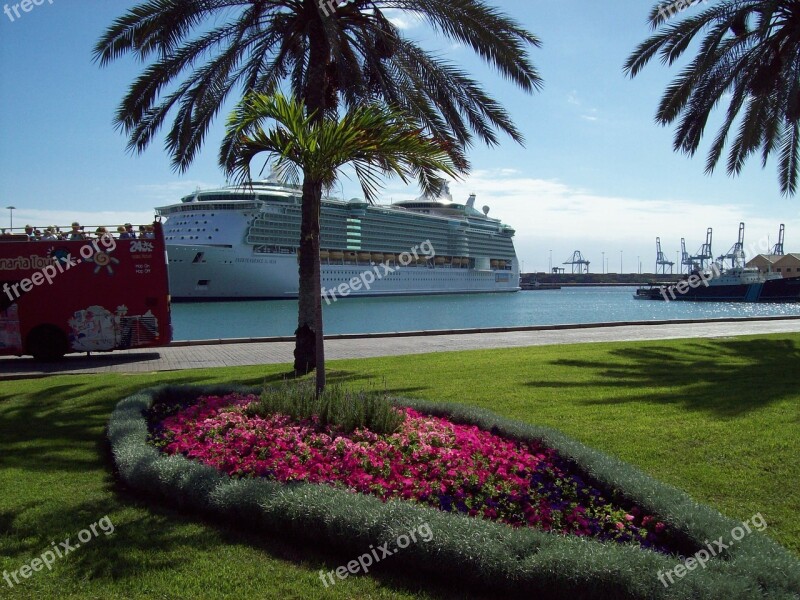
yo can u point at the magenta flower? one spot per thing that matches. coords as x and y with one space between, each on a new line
430 460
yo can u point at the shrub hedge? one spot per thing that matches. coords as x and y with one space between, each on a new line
466 552
345 409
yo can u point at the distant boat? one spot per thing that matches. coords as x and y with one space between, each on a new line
736 284
537 285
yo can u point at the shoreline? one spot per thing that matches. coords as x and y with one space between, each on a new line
478 330
245 352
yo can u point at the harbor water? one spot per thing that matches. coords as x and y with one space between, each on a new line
214 320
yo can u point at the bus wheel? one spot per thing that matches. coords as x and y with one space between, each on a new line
47 342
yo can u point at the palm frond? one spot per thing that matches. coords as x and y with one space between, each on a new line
495 37
789 159
201 52
376 140
748 60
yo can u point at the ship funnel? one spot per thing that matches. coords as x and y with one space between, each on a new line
471 201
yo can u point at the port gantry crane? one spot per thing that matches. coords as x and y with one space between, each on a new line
736 253
578 262
778 249
687 264
661 260
700 260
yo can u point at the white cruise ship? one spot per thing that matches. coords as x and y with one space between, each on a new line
240 242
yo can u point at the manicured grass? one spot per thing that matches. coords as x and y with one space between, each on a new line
718 419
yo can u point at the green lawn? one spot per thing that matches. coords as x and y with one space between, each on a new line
719 419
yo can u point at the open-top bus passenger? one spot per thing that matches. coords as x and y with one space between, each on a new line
49 235
129 234
77 232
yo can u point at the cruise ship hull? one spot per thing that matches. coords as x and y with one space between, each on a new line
213 273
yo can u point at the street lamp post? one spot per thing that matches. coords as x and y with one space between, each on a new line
550 263
620 262
11 210
639 262
603 264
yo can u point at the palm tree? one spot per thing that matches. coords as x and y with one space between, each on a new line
328 53
375 140
749 61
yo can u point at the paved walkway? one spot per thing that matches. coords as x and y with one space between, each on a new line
227 354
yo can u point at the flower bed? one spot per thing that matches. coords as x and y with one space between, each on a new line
430 460
468 555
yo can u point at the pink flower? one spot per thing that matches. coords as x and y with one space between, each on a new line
430 460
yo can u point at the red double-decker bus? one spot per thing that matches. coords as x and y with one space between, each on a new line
85 293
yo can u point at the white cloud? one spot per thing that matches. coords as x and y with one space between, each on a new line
142 201
589 114
572 98
62 218
168 193
403 19
549 214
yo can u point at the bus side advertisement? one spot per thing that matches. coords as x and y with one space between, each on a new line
83 295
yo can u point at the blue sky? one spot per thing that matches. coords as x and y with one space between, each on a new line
596 173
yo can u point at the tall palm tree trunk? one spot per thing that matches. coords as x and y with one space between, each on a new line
309 353
305 336
310 290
